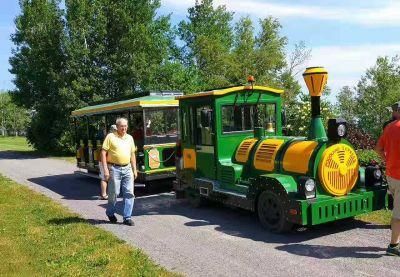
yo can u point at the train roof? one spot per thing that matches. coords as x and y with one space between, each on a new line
224 91
148 101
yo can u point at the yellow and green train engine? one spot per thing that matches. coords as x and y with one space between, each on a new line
232 150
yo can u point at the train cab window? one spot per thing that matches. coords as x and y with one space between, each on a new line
243 118
204 125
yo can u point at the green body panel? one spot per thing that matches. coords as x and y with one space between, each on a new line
326 209
317 130
287 182
166 158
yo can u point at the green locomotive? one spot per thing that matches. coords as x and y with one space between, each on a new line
232 150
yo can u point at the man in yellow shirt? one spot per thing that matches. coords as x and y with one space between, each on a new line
119 164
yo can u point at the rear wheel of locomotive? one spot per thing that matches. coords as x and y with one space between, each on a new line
271 209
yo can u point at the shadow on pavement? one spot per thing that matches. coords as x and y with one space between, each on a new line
70 186
233 222
236 222
330 252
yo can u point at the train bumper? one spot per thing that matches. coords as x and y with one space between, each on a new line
326 208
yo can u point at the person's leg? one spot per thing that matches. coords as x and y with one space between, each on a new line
113 189
394 185
128 193
395 225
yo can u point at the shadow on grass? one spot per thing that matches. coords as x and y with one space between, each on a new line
75 220
29 154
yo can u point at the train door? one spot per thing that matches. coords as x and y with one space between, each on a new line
204 141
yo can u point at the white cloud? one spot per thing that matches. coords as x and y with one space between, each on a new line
346 64
386 14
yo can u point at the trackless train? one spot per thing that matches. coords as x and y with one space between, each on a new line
232 150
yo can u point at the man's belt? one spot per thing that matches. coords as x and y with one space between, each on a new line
119 165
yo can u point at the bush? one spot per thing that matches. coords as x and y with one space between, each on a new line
359 138
366 157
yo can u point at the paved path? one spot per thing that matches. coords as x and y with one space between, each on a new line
213 241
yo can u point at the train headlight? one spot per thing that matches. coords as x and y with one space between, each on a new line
378 174
373 176
341 130
337 129
307 187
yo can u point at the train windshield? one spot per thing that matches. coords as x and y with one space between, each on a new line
243 118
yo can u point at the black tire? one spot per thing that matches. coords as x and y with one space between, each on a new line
271 210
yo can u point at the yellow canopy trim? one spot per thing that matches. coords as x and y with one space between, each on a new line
143 104
230 90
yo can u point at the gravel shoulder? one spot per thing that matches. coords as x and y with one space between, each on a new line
215 240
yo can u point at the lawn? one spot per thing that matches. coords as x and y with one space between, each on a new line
379 217
39 238
20 144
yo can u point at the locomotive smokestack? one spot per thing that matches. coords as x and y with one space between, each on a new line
316 78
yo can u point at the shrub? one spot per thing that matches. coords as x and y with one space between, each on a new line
366 157
359 138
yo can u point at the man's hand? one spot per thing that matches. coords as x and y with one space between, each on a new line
134 173
106 174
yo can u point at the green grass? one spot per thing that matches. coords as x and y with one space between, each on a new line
379 217
21 145
39 238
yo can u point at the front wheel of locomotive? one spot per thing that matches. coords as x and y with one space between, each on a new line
271 209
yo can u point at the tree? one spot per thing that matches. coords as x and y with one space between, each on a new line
12 117
37 63
137 43
346 104
270 52
377 89
208 39
243 50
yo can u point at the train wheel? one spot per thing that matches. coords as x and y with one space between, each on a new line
271 208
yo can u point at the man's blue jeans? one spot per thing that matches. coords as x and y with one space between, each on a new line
120 177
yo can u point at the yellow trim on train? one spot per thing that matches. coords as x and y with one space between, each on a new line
220 92
265 154
145 147
243 151
189 158
115 107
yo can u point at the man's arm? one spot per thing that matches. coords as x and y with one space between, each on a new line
104 164
133 164
133 158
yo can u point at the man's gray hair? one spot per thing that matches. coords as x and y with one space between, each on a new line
120 119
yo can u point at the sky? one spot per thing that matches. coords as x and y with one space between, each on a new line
345 37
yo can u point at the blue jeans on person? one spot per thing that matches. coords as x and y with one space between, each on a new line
121 177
